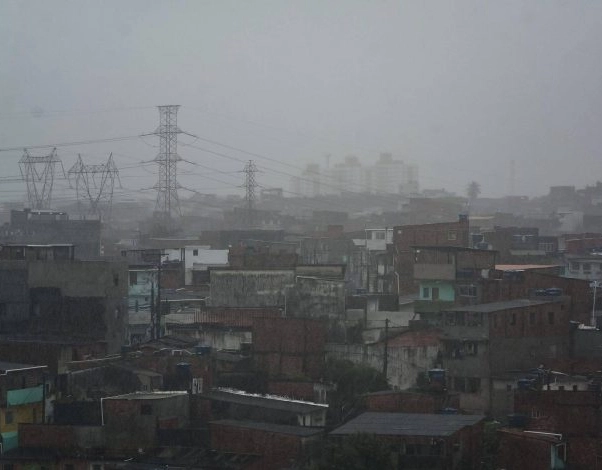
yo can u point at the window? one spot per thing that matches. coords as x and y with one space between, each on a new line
133 278
561 388
195 252
574 266
380 235
467 291
146 410
116 280
575 388
531 318
435 293
587 268
513 319
426 294
471 348
551 318
8 417
452 235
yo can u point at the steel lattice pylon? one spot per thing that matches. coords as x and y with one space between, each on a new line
94 185
38 174
250 196
167 186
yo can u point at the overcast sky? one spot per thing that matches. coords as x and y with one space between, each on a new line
459 88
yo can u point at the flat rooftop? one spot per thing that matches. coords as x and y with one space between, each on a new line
15 366
264 401
147 395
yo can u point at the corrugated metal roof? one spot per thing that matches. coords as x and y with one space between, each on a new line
407 424
497 306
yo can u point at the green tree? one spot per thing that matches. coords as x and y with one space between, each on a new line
352 381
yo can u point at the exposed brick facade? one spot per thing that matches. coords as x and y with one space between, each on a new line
292 347
407 236
410 402
278 450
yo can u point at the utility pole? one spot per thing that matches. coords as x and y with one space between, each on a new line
386 352
595 285
167 159
159 309
250 196
38 174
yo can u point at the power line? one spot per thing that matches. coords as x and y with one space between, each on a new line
69 144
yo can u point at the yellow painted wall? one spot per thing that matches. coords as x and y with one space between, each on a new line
21 414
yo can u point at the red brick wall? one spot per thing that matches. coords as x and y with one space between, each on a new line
407 402
406 236
565 412
519 452
289 346
277 450
47 437
584 453
530 322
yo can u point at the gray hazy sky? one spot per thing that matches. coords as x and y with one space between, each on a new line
459 88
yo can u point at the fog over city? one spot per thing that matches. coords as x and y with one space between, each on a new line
460 89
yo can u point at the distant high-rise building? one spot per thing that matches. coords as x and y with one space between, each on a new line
349 175
386 176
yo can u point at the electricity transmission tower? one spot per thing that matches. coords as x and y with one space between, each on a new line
167 159
250 196
94 185
38 174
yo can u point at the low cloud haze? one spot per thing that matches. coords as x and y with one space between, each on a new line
461 89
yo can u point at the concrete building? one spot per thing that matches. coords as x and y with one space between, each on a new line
477 339
406 237
132 421
450 275
48 294
196 258
243 406
389 176
409 354
22 394
51 227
